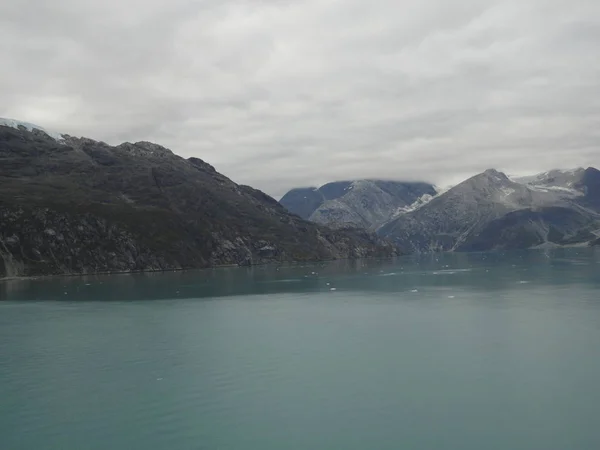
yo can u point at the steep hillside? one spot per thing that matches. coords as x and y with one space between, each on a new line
491 211
362 203
75 205
528 228
557 178
589 185
303 201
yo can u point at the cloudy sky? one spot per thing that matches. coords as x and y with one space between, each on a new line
284 93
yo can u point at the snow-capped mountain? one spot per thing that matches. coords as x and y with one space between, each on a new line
487 211
29 127
491 211
360 203
554 179
573 183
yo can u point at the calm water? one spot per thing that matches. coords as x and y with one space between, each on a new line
496 351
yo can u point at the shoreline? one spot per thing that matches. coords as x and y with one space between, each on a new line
220 266
541 247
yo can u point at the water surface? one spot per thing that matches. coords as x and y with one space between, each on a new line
479 351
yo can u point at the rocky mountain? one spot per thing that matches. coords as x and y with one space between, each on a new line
490 211
554 179
303 201
74 205
362 204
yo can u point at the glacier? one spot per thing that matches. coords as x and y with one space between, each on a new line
30 127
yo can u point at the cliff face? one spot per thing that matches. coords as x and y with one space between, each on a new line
79 206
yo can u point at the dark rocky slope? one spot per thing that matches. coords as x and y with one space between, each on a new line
529 228
363 204
490 211
80 206
303 201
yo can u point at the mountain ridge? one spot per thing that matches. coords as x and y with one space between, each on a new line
365 203
490 211
75 205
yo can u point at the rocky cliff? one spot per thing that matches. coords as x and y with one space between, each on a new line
74 205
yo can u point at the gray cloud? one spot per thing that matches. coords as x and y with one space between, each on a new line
278 94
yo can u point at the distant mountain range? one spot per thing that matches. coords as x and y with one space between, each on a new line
364 204
74 205
488 211
491 211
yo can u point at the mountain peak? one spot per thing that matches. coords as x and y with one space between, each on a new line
495 174
491 172
487 178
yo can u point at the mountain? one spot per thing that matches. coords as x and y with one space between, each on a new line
74 205
303 201
583 184
490 211
589 185
554 179
362 203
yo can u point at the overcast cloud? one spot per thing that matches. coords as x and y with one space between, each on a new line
285 93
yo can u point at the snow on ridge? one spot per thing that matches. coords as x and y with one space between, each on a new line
442 189
547 188
30 127
542 177
507 191
420 202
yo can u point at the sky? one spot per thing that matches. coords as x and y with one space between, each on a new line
285 93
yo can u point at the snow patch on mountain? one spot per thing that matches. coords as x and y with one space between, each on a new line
562 182
29 127
554 188
507 191
420 202
555 177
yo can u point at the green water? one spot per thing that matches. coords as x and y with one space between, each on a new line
494 351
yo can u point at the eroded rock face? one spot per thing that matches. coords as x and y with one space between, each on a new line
75 206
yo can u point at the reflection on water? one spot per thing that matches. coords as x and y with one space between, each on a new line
484 271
